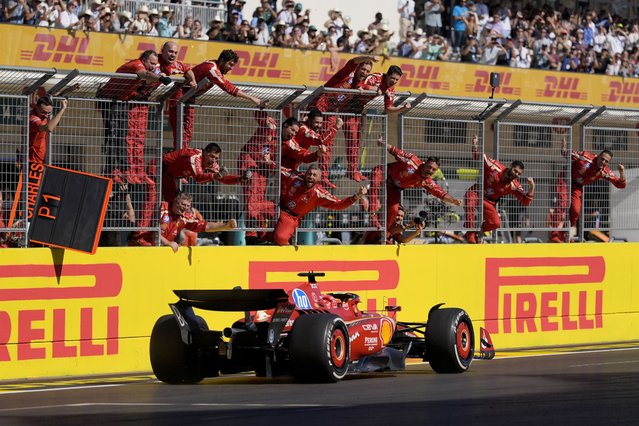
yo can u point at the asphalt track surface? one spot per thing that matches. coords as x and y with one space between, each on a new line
589 387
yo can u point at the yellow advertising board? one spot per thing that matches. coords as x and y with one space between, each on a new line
40 47
69 314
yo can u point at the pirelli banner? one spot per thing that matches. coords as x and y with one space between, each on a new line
69 313
40 47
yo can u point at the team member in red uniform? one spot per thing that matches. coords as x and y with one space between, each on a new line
257 157
126 124
300 195
350 76
201 165
309 135
178 215
499 181
409 171
40 125
169 65
292 153
384 84
216 70
585 169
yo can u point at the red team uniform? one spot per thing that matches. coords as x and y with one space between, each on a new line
187 162
494 189
400 175
584 171
171 69
293 155
264 141
37 138
126 124
307 137
297 200
172 224
344 79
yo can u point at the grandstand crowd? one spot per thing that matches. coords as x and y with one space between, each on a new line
489 33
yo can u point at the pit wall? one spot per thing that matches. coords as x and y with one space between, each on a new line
26 46
70 314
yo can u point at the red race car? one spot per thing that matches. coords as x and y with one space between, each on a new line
305 333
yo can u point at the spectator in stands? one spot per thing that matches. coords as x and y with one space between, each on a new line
287 14
67 18
154 19
377 23
237 12
406 10
344 43
335 20
86 22
184 30
417 44
280 38
269 14
492 52
471 53
121 25
314 37
142 24
164 23
433 17
436 49
460 16
196 31
263 35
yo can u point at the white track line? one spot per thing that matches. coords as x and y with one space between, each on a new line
164 404
59 389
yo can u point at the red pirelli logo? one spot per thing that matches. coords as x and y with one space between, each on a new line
481 85
387 272
561 88
42 333
63 49
545 310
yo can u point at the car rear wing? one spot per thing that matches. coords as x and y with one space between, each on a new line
232 300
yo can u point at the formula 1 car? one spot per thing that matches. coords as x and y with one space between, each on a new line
312 336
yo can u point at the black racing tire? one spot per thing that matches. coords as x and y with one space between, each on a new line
173 361
319 348
450 340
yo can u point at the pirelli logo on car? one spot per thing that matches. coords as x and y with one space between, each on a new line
544 294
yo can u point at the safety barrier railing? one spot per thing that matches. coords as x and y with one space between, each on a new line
124 137
538 135
444 127
608 211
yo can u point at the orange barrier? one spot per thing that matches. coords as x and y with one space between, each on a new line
68 313
39 47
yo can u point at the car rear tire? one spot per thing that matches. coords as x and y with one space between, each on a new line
173 361
450 340
319 348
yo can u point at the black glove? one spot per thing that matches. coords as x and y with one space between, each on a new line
165 80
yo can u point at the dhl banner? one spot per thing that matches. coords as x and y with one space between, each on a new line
68 313
40 47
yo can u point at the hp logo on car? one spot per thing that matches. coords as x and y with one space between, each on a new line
301 299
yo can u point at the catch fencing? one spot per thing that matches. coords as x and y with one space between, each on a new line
124 139
444 127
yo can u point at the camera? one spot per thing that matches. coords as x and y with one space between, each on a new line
420 219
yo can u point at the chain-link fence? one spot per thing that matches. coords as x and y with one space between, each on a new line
605 206
124 137
353 133
18 93
247 184
541 137
444 127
